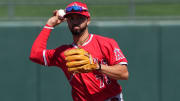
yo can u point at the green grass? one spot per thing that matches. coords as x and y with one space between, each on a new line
98 10
3 11
108 10
158 10
40 11
37 11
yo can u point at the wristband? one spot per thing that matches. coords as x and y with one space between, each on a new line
48 27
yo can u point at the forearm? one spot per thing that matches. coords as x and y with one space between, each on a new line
38 49
39 45
41 40
118 72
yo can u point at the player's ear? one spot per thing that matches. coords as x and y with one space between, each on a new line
89 20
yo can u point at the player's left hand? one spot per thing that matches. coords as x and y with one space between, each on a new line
79 61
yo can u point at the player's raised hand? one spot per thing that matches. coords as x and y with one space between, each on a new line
55 19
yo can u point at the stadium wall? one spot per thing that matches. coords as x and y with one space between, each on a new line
152 50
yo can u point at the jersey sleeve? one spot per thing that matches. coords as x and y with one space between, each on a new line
54 57
50 57
115 55
39 54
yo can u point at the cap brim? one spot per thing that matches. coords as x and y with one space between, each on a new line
81 13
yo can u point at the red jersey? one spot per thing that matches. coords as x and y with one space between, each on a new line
92 86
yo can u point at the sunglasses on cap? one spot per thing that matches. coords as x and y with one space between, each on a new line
75 9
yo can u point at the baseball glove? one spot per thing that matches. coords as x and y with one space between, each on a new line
79 61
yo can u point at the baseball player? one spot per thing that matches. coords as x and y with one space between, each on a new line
92 63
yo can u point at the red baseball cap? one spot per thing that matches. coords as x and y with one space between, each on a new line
77 8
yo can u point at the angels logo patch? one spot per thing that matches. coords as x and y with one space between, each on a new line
118 54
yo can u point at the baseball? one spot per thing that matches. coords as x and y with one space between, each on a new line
61 12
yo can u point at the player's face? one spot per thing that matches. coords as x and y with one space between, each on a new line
77 23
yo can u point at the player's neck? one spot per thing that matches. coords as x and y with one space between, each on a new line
80 40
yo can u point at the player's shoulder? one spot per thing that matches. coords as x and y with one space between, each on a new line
104 39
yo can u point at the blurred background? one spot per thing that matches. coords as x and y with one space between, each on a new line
147 32
116 9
